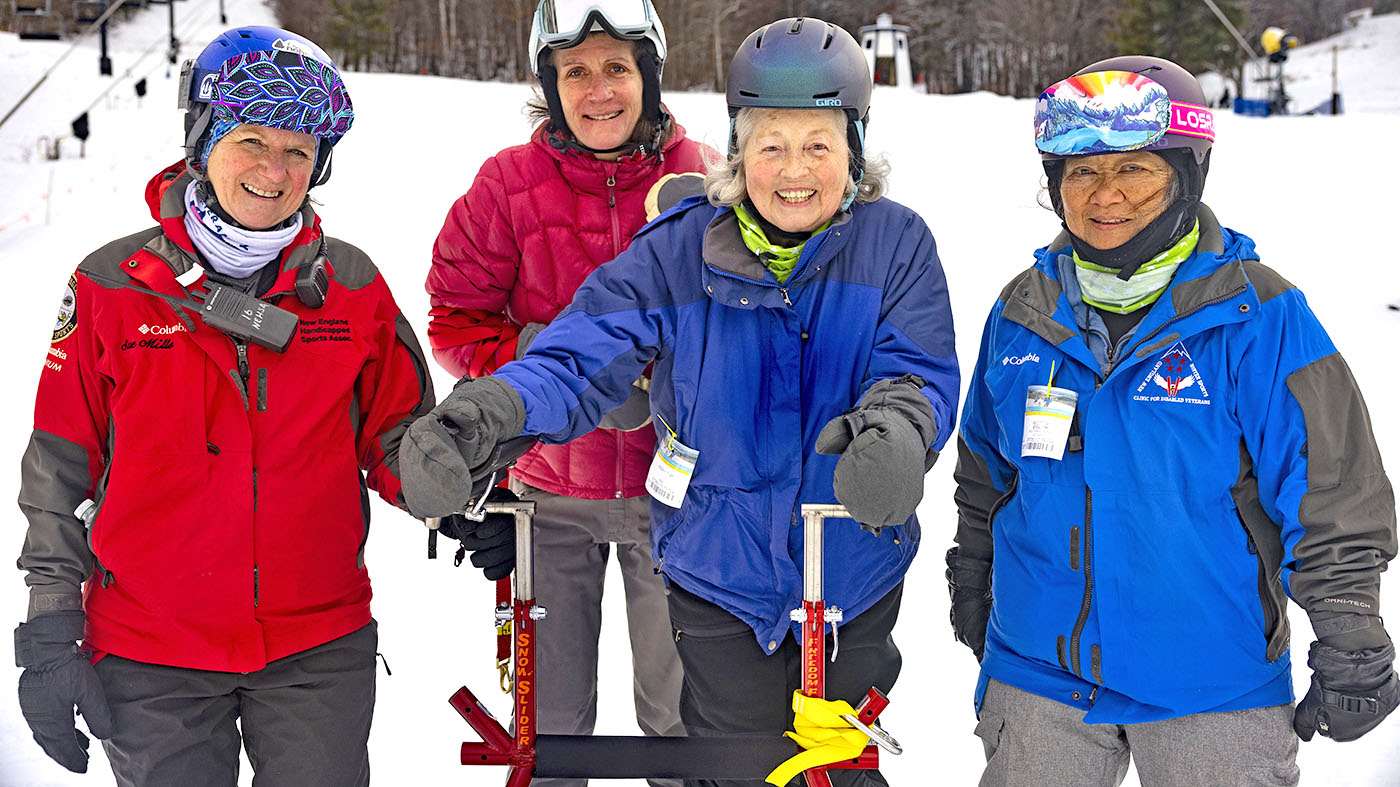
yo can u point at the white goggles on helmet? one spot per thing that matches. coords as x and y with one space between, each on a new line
565 23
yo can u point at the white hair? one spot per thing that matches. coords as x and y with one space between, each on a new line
724 180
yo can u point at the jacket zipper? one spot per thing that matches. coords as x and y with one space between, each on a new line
612 211
1088 582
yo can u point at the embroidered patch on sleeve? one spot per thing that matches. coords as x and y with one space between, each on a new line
67 311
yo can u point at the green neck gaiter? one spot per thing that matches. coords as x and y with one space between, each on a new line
1102 288
778 259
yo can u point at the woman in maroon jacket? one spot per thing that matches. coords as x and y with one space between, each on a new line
537 220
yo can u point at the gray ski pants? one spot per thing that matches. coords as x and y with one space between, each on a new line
1033 740
573 539
304 718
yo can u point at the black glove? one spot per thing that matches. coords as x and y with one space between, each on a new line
884 443
970 586
1352 691
57 677
491 541
440 449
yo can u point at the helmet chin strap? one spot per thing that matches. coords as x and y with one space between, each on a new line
1160 234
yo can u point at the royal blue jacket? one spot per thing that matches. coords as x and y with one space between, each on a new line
748 371
1223 457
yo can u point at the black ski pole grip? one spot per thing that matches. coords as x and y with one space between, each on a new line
242 316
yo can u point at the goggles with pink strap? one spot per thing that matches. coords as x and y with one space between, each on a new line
1113 112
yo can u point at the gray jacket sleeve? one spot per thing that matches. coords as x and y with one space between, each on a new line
56 559
1318 465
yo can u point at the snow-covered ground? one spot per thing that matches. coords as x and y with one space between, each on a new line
1302 187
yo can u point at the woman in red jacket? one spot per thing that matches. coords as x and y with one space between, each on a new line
221 392
537 220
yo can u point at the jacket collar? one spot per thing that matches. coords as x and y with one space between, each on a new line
590 174
1209 278
165 196
735 277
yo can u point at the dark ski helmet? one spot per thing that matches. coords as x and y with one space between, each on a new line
803 63
1185 146
263 76
564 24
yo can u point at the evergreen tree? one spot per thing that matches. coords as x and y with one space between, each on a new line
1183 31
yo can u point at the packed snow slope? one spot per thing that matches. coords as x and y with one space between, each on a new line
1315 192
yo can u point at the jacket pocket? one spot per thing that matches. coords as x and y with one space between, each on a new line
1271 596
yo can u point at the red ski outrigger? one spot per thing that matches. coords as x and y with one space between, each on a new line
529 754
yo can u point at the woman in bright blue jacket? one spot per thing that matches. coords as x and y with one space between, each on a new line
1160 444
803 350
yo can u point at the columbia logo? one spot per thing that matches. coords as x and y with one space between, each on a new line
145 329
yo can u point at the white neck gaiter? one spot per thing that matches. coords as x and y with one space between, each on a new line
233 251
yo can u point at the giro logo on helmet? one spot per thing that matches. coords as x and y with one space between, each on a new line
827 102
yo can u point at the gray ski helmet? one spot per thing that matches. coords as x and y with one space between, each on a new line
803 63
564 24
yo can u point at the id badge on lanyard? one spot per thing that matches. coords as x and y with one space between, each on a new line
1049 413
671 469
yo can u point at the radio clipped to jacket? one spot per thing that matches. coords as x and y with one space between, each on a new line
242 316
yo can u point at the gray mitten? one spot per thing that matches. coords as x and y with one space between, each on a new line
885 446
634 413
439 449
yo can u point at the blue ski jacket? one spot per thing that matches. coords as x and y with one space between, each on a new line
747 372
1220 458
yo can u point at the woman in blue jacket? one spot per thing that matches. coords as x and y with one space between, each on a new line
1159 446
803 351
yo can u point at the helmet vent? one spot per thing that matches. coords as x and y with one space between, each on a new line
832 94
830 35
747 93
796 27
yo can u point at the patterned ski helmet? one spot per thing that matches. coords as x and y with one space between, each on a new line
262 76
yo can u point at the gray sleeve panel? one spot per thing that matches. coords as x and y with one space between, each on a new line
353 268
389 441
108 259
1266 535
1348 512
977 498
56 559
1267 282
1031 300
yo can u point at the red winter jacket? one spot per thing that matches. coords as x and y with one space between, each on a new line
232 501
533 225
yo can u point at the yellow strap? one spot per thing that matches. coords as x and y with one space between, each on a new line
821 731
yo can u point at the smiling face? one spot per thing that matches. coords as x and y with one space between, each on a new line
1111 197
796 165
600 90
260 174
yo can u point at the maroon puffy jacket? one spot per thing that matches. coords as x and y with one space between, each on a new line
535 222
